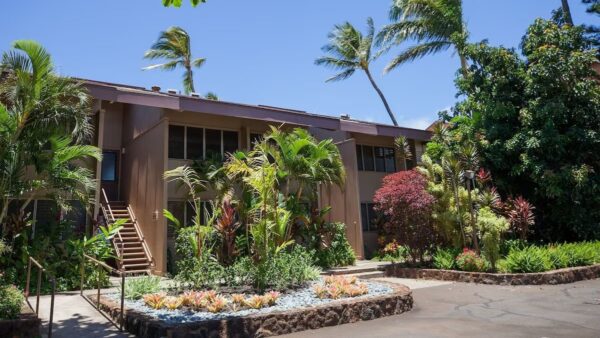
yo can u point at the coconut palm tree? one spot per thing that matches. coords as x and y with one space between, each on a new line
43 119
567 12
174 45
435 25
349 50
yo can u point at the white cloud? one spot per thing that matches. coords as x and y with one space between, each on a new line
418 123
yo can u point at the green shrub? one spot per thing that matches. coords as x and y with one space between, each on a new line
11 301
510 244
393 252
135 288
469 260
286 269
445 259
492 227
578 254
529 259
337 251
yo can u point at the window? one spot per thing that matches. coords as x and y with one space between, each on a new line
213 142
359 157
199 143
369 217
368 160
109 166
390 160
176 142
195 143
230 141
381 159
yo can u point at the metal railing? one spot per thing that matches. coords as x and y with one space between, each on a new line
120 273
52 279
140 235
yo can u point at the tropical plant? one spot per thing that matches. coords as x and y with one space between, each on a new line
529 259
43 120
11 302
492 228
333 248
136 288
435 25
348 51
520 215
226 226
174 45
445 258
404 200
469 260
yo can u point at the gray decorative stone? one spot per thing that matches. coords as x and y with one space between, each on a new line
397 299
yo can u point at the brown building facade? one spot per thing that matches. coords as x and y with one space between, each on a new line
143 133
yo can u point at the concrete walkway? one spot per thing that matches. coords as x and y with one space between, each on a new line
75 317
475 310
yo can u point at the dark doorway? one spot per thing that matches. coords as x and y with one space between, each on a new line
109 175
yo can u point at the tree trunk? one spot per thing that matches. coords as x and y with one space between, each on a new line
463 64
567 12
385 103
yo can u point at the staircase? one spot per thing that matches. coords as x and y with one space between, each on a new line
133 254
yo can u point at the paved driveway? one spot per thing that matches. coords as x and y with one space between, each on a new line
471 310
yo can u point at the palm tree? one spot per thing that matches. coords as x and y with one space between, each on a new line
174 45
43 119
349 50
567 12
436 25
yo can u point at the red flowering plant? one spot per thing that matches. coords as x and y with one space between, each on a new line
469 260
407 207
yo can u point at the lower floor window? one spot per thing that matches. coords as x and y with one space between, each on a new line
370 218
185 213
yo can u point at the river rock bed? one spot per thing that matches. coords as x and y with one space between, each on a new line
295 299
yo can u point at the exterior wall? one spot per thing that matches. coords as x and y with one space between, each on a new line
142 168
370 181
142 133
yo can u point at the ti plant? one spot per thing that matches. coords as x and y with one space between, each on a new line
226 226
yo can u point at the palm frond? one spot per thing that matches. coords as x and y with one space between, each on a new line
417 52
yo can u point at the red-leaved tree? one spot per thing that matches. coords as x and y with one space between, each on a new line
407 207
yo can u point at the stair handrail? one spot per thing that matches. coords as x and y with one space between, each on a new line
140 234
112 216
118 249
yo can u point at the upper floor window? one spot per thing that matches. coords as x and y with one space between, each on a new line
199 143
381 159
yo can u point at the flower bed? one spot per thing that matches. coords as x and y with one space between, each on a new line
292 311
27 324
560 276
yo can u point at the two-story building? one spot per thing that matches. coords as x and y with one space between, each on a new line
143 133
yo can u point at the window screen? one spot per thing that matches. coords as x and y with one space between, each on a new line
176 141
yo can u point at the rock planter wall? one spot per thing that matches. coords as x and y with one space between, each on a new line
26 326
562 276
263 325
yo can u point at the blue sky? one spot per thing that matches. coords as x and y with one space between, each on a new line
261 51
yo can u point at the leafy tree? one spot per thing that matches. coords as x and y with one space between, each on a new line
177 3
536 122
174 45
404 200
435 25
349 50
44 119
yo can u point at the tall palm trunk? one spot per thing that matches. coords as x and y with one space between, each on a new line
463 64
567 12
385 103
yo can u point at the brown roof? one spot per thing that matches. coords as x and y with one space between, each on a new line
140 96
